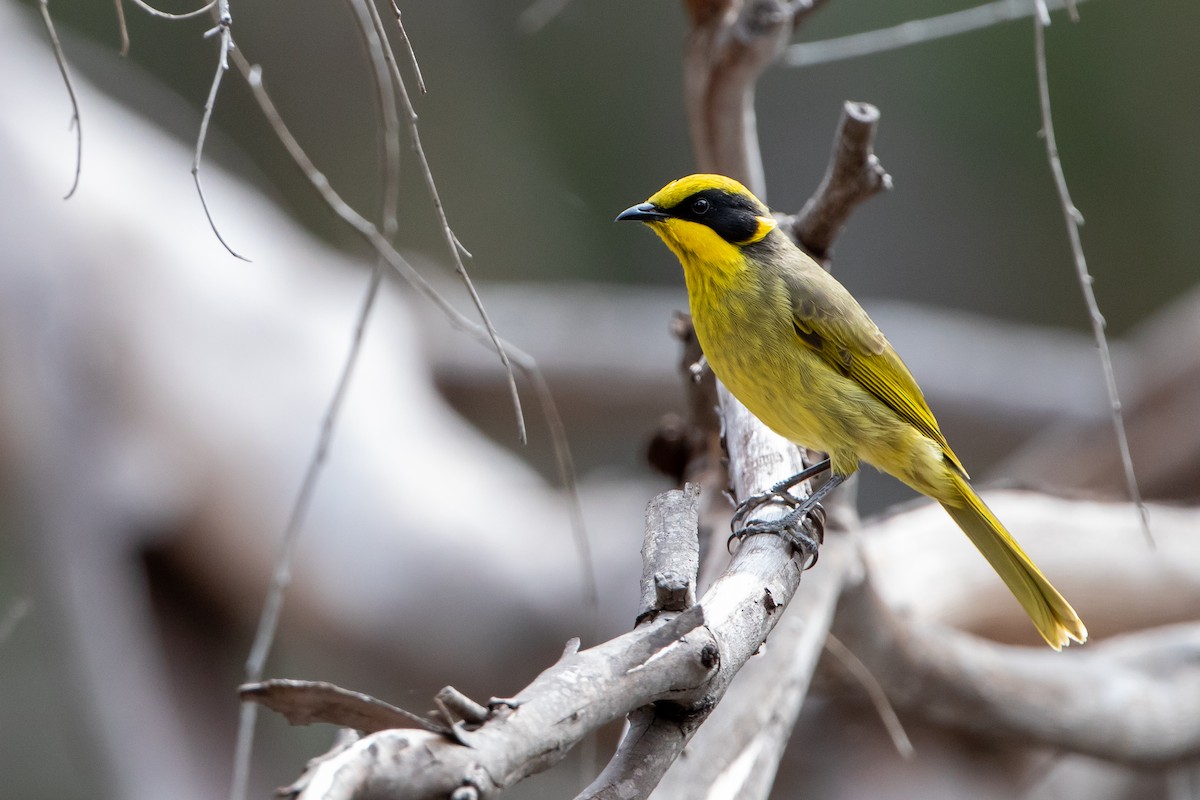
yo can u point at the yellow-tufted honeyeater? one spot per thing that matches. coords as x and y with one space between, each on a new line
797 349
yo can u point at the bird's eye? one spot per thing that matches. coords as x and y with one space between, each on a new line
700 205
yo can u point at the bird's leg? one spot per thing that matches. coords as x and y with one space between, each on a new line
777 493
793 526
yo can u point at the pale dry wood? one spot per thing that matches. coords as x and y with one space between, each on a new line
685 661
1132 697
670 553
668 658
854 175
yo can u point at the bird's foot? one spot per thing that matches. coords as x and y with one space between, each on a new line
803 529
779 493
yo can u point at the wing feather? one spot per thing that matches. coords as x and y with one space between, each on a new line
829 321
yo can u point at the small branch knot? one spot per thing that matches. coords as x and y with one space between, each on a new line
671 591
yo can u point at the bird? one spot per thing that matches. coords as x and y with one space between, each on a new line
794 346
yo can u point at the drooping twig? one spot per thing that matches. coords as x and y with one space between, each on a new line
408 47
525 362
281 576
223 30
558 433
122 28
879 699
410 117
806 54
565 464
1074 219
44 7
369 232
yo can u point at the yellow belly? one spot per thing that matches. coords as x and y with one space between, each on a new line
797 394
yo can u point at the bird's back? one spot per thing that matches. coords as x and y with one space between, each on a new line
793 345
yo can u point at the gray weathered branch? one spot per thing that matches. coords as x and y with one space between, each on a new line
683 663
527 733
854 175
1133 698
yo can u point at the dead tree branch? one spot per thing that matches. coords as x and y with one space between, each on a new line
728 46
680 663
854 176
1132 699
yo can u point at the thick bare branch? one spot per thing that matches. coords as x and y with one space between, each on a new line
854 175
728 46
1132 698
741 743
683 665
670 553
533 730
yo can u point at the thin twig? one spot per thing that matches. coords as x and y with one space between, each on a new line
154 12
268 621
523 361
368 25
916 31
876 694
44 5
558 432
383 63
122 27
224 30
1074 220
412 55
570 483
456 256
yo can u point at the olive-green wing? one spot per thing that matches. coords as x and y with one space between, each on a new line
829 321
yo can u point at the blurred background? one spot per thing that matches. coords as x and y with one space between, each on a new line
159 399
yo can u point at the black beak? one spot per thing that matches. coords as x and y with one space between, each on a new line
643 212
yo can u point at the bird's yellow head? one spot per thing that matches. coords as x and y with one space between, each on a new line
705 218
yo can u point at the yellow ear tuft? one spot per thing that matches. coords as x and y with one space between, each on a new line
766 224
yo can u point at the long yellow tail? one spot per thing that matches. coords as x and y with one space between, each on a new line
1051 613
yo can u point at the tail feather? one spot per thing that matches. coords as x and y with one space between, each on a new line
1051 613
